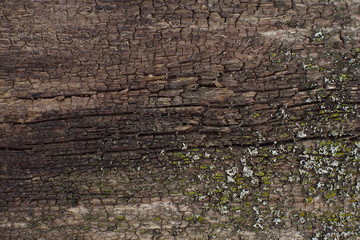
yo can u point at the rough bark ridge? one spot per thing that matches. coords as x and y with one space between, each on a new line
169 119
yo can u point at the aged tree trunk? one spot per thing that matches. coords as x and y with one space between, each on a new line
170 119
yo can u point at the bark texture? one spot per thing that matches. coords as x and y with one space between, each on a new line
179 119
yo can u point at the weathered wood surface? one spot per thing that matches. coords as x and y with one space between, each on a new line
169 119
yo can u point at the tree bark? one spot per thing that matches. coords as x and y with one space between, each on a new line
171 119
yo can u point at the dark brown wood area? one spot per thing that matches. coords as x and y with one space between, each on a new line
179 119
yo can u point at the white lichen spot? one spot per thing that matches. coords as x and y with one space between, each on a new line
230 179
247 171
320 185
301 134
256 210
243 193
253 151
184 146
335 163
277 221
196 157
358 187
319 35
291 179
201 176
223 209
202 197
254 181
258 223
232 171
